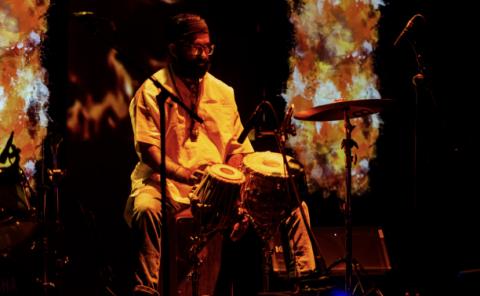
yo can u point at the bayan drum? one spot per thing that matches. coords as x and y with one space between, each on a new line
267 195
214 198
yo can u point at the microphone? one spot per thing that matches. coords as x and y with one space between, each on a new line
250 123
165 93
287 126
407 28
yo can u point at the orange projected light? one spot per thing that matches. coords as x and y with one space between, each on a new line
23 93
333 59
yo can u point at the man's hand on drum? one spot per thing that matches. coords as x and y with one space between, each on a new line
188 176
235 160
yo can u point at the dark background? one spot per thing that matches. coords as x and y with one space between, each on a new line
423 182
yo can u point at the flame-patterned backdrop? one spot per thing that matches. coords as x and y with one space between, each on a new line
68 70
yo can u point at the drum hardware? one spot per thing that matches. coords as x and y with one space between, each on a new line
345 110
14 186
198 242
50 234
16 212
18 225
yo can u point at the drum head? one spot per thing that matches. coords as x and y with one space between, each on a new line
226 173
269 163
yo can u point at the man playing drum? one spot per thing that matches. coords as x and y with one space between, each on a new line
191 144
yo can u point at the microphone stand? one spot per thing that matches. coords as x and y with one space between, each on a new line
162 97
420 82
164 261
417 79
422 88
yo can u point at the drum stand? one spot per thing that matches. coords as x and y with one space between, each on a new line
54 175
201 236
194 251
198 241
266 235
267 262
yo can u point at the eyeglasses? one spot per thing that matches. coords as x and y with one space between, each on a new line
197 49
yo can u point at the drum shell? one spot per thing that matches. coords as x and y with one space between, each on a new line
269 198
215 199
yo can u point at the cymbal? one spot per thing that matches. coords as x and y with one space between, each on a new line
335 111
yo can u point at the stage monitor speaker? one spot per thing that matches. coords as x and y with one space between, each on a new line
368 250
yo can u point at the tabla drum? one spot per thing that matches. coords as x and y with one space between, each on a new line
267 195
214 199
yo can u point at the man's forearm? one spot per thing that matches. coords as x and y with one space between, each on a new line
235 160
151 156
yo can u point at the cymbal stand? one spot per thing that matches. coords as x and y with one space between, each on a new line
337 111
347 145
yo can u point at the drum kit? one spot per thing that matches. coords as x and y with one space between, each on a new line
16 213
263 186
18 225
25 229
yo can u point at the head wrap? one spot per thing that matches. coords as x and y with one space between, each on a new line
184 26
